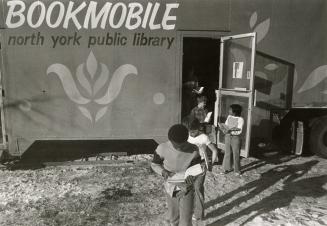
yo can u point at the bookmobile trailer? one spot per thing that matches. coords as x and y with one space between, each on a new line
114 70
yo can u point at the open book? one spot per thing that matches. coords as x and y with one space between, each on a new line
223 128
208 117
181 176
198 90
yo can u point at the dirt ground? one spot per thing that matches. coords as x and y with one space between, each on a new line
276 190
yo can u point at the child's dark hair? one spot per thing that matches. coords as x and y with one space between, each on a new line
195 124
202 98
236 109
178 133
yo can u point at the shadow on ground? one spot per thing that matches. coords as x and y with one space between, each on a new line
291 189
274 158
67 150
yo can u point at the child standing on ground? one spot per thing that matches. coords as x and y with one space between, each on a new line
202 141
234 123
174 156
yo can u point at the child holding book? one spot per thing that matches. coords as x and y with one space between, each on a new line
171 158
200 111
202 141
233 129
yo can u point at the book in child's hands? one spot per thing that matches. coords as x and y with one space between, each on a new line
180 177
198 90
223 127
208 117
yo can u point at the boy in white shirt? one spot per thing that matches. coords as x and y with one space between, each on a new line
235 124
202 141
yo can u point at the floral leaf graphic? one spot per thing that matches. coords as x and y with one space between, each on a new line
253 19
271 67
262 29
85 112
101 113
68 83
104 76
315 77
91 64
82 79
116 83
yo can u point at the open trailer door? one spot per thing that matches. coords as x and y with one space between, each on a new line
3 140
237 55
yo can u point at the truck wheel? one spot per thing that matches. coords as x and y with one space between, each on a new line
318 138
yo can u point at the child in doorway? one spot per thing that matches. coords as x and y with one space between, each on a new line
234 123
200 111
202 141
174 156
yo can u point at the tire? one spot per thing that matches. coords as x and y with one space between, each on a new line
318 138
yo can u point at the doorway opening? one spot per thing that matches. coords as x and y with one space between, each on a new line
200 69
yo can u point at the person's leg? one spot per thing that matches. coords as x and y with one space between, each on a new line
186 209
173 210
199 197
235 143
227 155
213 135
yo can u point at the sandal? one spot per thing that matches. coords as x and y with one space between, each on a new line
238 173
194 218
224 172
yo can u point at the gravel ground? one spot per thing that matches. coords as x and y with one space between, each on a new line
287 190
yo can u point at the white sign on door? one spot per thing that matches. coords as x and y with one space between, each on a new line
237 69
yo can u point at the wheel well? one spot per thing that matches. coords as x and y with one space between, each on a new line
316 119
309 117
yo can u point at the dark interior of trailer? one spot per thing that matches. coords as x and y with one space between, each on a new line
201 67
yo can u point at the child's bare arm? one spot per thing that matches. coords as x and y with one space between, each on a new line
157 166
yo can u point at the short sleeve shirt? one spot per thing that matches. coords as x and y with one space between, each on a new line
176 160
